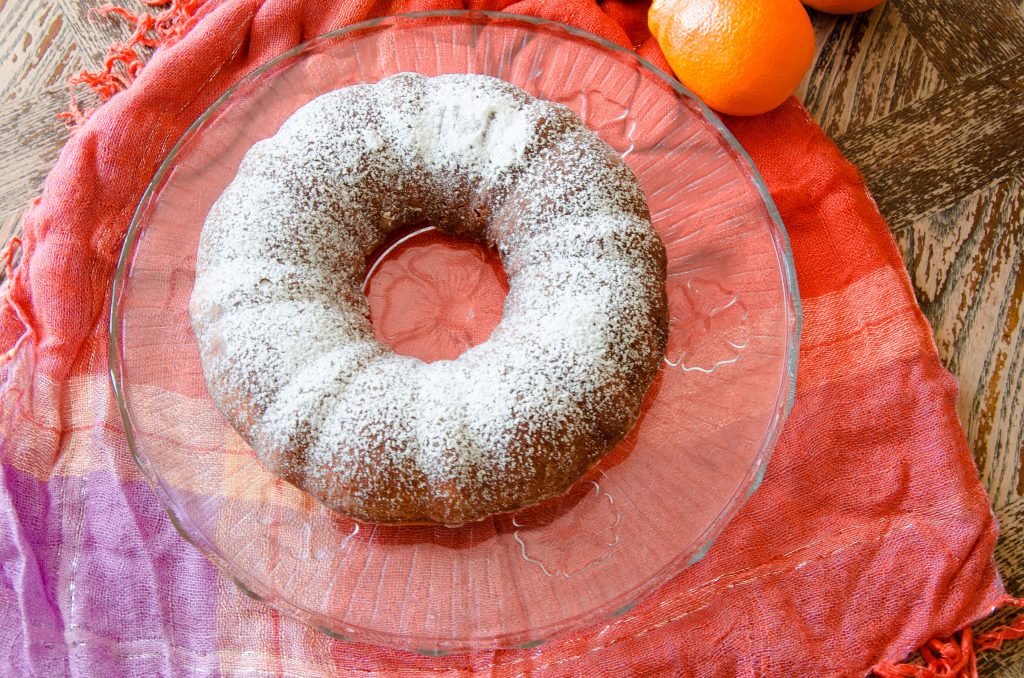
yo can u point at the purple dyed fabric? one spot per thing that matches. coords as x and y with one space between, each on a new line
94 581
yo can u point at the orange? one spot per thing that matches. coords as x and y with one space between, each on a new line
741 57
842 6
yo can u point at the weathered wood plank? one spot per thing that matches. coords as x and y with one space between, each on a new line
967 267
964 37
1010 548
868 66
928 155
93 33
1014 670
42 43
1008 662
32 138
37 48
8 228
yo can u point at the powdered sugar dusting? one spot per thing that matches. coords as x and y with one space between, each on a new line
283 328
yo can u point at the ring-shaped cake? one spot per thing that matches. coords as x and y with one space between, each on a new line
283 327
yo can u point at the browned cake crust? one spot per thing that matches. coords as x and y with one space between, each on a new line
287 348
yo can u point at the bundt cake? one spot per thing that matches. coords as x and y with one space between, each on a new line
283 327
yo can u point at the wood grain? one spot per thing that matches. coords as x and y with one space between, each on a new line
966 266
926 96
38 48
93 34
42 43
868 66
1009 663
929 154
963 37
32 139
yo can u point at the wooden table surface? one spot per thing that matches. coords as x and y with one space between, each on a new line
925 96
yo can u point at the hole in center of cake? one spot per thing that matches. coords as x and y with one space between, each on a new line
433 295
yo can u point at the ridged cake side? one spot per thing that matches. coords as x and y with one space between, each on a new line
287 347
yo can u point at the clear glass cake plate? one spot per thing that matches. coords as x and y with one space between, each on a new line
653 506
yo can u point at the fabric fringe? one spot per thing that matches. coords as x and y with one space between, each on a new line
123 63
957 655
7 256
